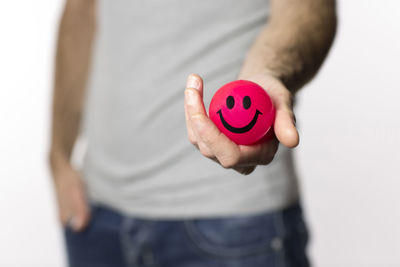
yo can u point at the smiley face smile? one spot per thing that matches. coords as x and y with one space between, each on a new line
244 129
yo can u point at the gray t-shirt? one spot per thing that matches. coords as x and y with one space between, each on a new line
138 159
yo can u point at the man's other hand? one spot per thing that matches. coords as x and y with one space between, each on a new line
71 198
213 144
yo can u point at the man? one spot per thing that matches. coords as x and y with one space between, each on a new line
147 197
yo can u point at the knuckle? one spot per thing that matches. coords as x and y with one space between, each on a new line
211 139
206 153
192 140
188 93
207 138
225 164
229 162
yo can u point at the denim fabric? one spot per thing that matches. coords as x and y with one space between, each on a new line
275 239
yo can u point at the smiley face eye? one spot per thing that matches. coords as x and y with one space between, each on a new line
230 102
246 102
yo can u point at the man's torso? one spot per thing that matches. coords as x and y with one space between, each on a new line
138 158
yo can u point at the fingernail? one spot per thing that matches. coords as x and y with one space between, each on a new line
190 97
294 120
193 82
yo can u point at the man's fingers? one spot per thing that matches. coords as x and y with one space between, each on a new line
206 151
77 216
194 81
285 129
193 102
226 151
194 106
81 221
284 126
194 95
64 218
213 143
191 136
260 154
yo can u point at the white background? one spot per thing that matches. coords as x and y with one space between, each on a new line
348 158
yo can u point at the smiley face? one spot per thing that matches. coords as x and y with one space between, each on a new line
243 111
230 103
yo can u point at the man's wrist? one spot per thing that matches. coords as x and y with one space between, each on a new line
58 161
291 83
265 72
263 78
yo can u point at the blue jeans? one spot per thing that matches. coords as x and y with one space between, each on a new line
113 240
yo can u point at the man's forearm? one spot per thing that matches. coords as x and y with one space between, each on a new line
72 64
294 42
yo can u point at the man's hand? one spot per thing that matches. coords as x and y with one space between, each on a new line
71 198
213 144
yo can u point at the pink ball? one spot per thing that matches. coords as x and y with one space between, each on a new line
244 112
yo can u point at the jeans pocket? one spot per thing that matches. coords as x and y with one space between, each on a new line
234 237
